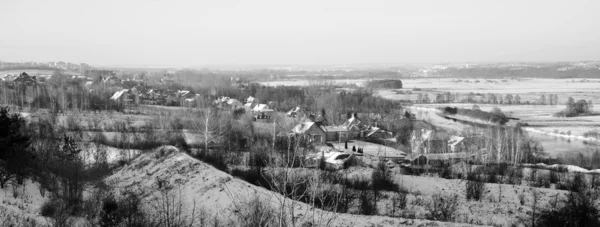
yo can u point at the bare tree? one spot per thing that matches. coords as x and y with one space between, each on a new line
169 210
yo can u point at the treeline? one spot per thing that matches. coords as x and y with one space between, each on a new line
486 98
387 84
574 109
495 116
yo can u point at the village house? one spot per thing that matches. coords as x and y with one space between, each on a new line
296 112
171 98
154 97
250 99
25 79
249 106
376 133
262 112
234 104
123 97
310 130
7 77
111 80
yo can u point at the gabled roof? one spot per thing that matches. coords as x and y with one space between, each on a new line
223 99
183 93
118 94
440 156
294 110
336 129
304 127
111 78
250 99
234 102
262 108
374 130
352 121
24 77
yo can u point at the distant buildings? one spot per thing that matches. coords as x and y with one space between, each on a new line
21 79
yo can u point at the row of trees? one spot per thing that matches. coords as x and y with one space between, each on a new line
487 98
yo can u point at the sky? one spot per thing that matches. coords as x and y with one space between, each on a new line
281 32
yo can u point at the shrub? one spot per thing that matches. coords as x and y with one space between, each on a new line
554 178
48 209
382 178
578 184
542 180
398 201
515 175
215 159
442 207
577 209
368 203
474 188
110 215
256 212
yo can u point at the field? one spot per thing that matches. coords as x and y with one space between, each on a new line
557 135
529 89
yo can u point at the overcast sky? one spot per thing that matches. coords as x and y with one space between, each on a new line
231 32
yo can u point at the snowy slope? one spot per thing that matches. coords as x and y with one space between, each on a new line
219 193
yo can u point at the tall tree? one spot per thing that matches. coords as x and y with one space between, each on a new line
542 100
14 147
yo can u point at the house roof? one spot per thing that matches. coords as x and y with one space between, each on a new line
294 110
184 93
304 127
441 156
118 94
374 130
24 77
111 78
222 99
234 102
336 129
262 108
352 121
250 99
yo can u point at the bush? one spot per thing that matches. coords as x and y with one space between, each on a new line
442 207
398 201
474 188
542 181
368 203
515 175
256 212
48 209
213 158
554 178
577 209
578 184
382 178
450 110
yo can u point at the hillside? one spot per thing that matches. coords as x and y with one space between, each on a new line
217 192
